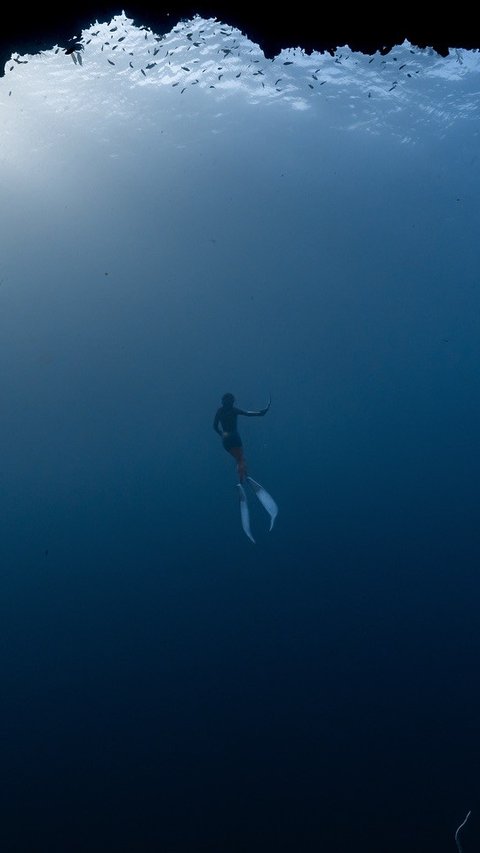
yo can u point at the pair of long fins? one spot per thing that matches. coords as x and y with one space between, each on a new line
265 499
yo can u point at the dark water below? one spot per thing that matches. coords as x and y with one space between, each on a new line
169 689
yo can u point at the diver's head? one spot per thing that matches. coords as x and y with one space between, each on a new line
228 401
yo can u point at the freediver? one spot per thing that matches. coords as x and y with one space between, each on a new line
225 424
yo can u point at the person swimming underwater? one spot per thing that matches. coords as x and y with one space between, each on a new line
225 424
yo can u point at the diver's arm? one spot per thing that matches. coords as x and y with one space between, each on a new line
216 427
258 414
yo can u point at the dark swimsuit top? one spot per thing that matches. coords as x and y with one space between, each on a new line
228 418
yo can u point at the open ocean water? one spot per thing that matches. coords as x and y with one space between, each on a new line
182 217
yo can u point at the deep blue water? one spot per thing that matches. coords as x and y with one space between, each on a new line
167 686
195 692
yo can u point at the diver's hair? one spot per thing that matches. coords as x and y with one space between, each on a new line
228 399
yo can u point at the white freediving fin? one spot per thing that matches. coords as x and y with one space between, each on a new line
244 513
265 499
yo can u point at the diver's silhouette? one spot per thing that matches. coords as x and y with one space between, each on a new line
225 424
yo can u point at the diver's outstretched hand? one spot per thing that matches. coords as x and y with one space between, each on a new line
265 410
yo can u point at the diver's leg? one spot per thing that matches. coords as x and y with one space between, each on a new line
237 453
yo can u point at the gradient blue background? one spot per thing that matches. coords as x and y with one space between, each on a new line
166 685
